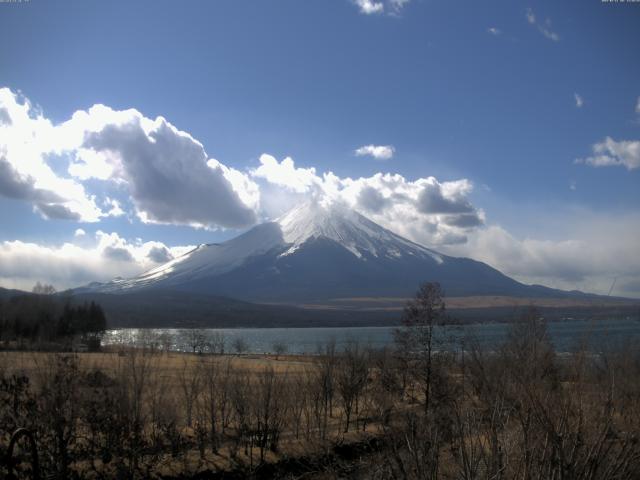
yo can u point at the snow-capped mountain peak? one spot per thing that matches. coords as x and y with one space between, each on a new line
302 226
348 228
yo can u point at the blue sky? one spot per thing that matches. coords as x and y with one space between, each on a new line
500 104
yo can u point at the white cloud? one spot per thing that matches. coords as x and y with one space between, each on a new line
71 265
379 152
578 99
285 174
115 210
448 197
91 164
638 106
531 18
166 172
369 7
610 152
374 7
596 250
398 5
425 210
79 233
27 140
494 31
543 27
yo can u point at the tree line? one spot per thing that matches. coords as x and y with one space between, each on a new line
42 317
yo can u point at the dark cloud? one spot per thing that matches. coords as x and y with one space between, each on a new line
451 238
432 201
372 200
14 185
627 286
118 254
465 220
159 255
168 176
55 211
21 187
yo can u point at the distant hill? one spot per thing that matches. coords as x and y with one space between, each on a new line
178 309
8 293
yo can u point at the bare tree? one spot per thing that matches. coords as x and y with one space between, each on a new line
386 390
217 342
43 289
270 410
166 341
240 345
297 393
241 398
326 363
416 340
216 377
190 382
351 378
197 340
133 372
279 348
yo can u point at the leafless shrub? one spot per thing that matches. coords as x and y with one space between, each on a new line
197 340
240 345
59 410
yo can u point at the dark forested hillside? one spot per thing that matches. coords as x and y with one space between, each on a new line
36 317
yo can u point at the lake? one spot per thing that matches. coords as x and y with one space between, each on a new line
599 335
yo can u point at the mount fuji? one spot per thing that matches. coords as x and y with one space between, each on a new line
316 253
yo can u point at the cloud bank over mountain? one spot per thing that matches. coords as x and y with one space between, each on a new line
102 257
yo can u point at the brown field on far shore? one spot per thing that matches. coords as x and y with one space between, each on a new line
489 301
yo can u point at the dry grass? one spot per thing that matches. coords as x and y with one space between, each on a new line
486 301
171 364
165 374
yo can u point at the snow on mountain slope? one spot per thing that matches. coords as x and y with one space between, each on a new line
348 228
205 260
303 224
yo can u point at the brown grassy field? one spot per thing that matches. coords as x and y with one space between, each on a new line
168 381
170 364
